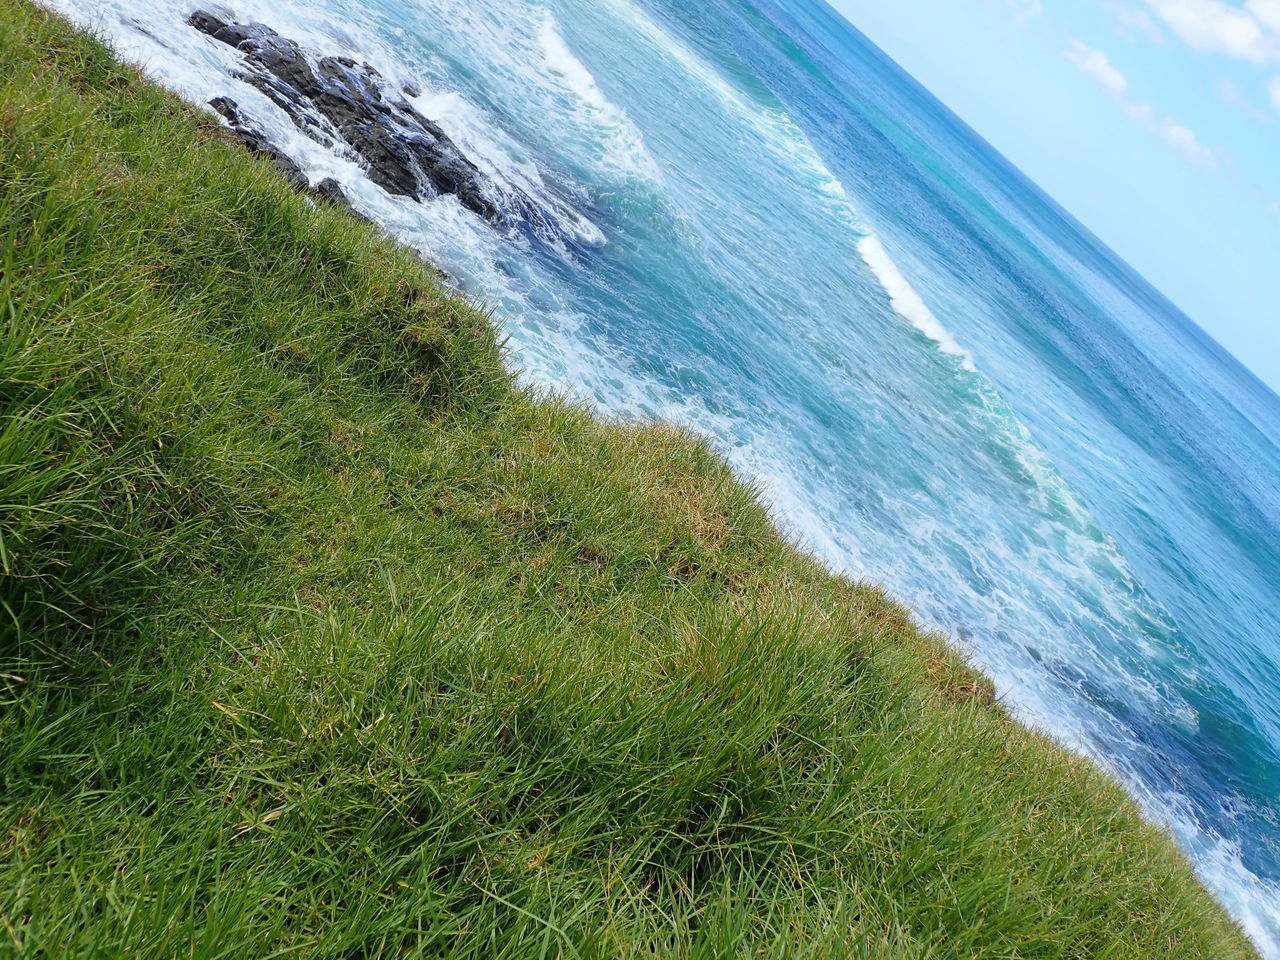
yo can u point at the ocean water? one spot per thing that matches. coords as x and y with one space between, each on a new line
941 381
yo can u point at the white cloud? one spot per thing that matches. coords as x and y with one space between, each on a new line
1095 64
1024 11
1136 20
1141 111
1250 32
1229 93
1267 12
1185 140
1218 27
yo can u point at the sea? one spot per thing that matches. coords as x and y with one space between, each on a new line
940 381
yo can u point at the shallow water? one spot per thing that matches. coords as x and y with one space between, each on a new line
941 382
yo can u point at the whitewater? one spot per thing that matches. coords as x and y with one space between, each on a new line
941 382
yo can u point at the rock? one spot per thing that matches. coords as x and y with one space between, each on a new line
331 190
261 146
337 99
228 109
232 34
256 142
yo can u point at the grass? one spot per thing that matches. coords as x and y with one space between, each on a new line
322 638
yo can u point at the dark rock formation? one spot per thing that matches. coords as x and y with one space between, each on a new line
256 142
336 101
331 190
244 130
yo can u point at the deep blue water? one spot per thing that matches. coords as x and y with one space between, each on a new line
942 382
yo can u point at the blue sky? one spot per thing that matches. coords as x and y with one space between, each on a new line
1155 122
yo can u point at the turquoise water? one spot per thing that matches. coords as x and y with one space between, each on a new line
941 382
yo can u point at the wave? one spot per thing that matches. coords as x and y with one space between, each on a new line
625 152
907 302
772 124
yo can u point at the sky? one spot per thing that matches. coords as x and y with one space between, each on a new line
1155 122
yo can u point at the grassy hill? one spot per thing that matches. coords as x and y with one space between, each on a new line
322 638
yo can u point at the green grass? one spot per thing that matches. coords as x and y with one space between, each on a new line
321 638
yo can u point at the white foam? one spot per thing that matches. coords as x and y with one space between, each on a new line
1251 900
625 150
506 161
907 303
